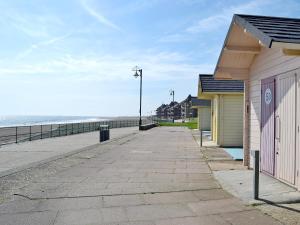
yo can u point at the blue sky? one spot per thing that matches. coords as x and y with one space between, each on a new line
74 57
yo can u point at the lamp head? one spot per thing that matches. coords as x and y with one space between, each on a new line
136 69
136 75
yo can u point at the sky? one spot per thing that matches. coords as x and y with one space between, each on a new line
75 57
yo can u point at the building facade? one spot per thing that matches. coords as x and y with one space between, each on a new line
264 53
226 109
204 111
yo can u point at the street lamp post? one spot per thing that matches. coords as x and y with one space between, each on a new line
172 93
139 73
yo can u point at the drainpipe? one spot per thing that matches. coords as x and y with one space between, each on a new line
246 124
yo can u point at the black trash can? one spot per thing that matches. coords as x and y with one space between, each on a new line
104 133
107 133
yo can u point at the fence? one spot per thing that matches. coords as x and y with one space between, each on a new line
17 134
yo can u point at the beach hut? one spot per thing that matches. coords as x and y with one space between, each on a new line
226 109
264 52
203 107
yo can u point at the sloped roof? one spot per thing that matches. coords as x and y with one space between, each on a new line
246 38
173 103
269 29
200 102
161 106
188 98
209 84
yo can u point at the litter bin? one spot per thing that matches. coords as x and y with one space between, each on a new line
104 133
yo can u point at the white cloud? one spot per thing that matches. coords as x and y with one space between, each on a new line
32 24
41 44
223 17
217 20
98 16
175 38
138 5
157 66
208 24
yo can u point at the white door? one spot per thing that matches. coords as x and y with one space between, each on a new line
205 118
285 134
232 122
267 118
298 131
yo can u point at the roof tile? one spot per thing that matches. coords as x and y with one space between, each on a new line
209 84
276 28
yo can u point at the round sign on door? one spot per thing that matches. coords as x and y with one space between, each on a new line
268 96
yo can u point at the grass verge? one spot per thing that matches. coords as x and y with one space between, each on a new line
190 125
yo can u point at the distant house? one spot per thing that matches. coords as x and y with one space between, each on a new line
264 52
160 111
203 107
174 110
165 112
170 111
193 111
187 112
227 109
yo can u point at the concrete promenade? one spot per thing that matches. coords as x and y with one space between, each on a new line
15 157
156 177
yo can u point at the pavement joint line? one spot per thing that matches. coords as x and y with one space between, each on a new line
233 211
282 192
225 159
65 155
279 206
25 212
112 195
265 202
56 216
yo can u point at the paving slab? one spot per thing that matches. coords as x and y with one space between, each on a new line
273 194
218 206
213 194
32 218
123 200
68 204
285 213
78 217
158 211
207 220
248 218
114 214
240 183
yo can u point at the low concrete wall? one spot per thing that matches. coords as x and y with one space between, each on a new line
148 126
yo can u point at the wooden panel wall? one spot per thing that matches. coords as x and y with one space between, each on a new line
268 63
232 120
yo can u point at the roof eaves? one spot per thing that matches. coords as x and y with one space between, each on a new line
222 49
199 83
223 91
265 39
243 23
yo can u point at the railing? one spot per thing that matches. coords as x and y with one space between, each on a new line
17 134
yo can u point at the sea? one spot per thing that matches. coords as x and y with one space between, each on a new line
7 121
